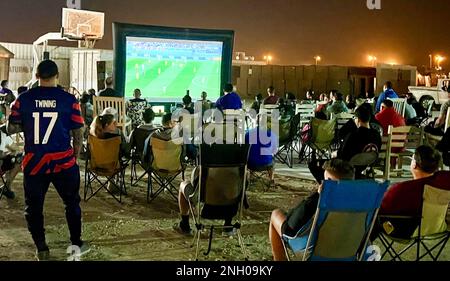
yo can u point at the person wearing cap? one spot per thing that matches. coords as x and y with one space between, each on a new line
51 121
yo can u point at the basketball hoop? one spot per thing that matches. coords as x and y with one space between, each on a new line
86 27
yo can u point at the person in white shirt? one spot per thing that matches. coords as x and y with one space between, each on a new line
10 160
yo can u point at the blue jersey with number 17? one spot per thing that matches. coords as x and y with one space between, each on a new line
47 115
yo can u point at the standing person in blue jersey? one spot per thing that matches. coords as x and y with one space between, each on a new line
48 116
388 93
230 100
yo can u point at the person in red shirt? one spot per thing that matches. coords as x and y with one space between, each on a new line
272 99
405 198
388 116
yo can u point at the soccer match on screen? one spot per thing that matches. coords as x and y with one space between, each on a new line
164 69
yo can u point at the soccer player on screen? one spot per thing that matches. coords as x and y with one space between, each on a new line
48 116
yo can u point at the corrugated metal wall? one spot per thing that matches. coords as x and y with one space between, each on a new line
25 51
80 73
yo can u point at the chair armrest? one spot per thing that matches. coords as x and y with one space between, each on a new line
397 217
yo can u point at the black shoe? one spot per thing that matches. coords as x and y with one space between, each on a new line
42 252
8 193
43 255
183 230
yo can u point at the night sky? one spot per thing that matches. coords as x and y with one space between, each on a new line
343 32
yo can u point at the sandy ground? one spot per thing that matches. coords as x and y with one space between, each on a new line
137 230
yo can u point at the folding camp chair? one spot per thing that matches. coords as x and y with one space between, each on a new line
341 227
320 138
289 144
341 120
221 190
137 143
363 162
392 145
414 139
103 161
167 164
262 175
431 226
306 112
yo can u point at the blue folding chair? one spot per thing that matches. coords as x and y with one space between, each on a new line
344 219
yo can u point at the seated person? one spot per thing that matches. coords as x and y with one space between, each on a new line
230 99
351 127
420 110
388 116
350 102
356 141
264 145
291 98
405 198
223 177
256 105
338 105
168 125
288 105
272 98
87 108
104 126
290 223
410 115
444 147
170 130
148 117
310 99
135 107
10 159
322 107
145 129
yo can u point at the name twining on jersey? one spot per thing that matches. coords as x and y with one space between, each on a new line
45 103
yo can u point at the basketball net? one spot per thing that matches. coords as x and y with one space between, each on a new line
87 42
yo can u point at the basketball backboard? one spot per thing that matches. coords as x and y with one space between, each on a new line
79 24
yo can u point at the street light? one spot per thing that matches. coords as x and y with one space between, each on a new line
268 59
439 59
372 59
317 59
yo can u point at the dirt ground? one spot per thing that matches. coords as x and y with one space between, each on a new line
139 231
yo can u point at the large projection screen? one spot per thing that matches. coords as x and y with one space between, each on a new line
165 62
